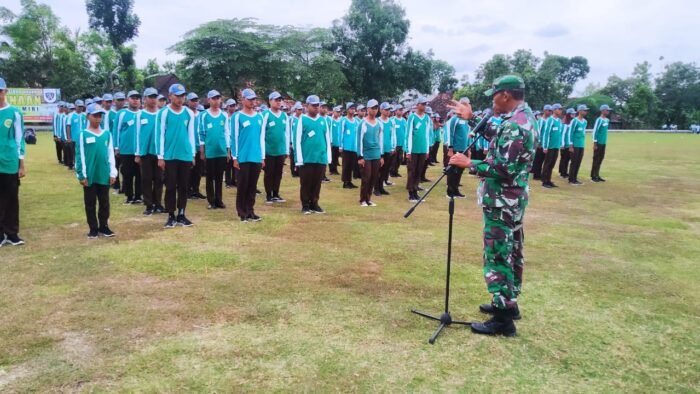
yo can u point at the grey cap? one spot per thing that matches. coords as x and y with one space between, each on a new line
582 107
213 93
97 99
348 105
313 100
570 111
249 94
604 107
200 107
70 106
87 102
230 102
160 97
337 108
422 100
274 95
385 105
107 97
397 107
428 110
119 96
297 106
79 103
133 93
547 107
372 103
95 109
360 107
150 92
192 96
556 106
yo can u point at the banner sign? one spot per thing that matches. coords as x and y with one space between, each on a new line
37 105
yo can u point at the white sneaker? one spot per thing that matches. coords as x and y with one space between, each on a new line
371 204
364 204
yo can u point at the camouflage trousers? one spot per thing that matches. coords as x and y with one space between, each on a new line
503 254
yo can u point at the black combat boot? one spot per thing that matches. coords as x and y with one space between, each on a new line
500 324
488 309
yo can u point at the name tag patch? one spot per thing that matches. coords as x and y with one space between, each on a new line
144 121
246 123
130 123
272 124
311 134
90 140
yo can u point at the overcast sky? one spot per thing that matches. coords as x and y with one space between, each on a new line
613 35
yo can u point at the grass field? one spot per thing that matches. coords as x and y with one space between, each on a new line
321 303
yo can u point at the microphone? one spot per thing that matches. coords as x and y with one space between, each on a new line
481 126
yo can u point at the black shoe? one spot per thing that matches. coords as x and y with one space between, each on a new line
128 201
269 200
346 185
183 221
318 209
278 199
171 223
575 183
413 197
159 209
384 192
228 185
552 185
211 206
459 195
547 185
388 183
148 212
257 191
325 180
137 200
489 310
377 193
92 234
13 239
220 205
425 180
306 211
595 180
352 185
420 189
254 218
601 179
106 232
500 324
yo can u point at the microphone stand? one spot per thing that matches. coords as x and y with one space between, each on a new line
445 318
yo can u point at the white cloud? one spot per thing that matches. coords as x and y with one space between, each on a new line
612 35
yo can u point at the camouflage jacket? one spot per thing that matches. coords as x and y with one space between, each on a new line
504 173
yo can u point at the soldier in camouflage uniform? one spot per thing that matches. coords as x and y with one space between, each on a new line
503 195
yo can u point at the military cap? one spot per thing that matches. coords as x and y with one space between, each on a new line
506 82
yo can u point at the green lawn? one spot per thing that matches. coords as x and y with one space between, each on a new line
322 303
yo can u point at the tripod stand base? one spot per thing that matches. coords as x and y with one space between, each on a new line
445 320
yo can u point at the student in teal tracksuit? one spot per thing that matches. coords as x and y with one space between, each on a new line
550 140
577 140
58 122
400 126
600 140
388 149
370 148
96 171
348 146
276 126
248 152
312 152
418 142
176 150
457 140
124 135
214 148
335 140
11 168
145 156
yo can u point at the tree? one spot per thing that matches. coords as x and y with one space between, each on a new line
443 76
116 19
678 92
370 44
